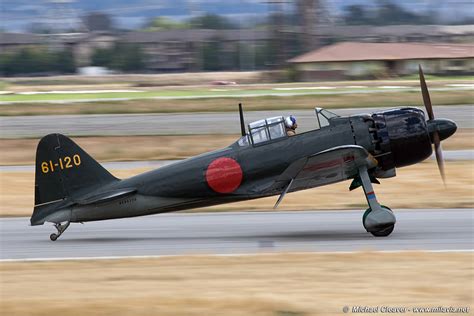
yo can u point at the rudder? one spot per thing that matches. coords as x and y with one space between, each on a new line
63 170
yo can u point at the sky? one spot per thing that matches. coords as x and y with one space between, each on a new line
17 15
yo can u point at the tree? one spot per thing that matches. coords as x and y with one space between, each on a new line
125 57
163 23
65 62
36 60
386 12
128 57
391 13
211 56
212 21
356 15
98 21
101 57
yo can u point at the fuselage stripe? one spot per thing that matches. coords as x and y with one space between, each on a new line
370 195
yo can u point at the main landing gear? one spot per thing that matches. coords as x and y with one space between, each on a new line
378 220
61 229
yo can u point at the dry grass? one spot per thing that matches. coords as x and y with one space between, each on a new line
229 104
462 139
22 151
417 186
269 285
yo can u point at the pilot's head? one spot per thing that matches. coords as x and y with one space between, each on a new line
290 122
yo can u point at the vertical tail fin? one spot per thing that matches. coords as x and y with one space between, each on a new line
63 169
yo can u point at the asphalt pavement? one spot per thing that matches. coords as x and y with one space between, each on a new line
181 123
238 233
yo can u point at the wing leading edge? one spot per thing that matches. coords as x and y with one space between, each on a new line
326 167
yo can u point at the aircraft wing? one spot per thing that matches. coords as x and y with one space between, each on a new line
328 166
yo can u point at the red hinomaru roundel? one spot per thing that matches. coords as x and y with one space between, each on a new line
224 175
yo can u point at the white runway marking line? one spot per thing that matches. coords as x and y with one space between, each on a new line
74 92
460 85
304 88
393 87
234 255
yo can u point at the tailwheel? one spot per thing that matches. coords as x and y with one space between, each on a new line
61 229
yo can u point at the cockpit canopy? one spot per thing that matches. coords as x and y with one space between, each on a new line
271 129
266 130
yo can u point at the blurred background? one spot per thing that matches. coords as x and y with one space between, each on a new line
52 37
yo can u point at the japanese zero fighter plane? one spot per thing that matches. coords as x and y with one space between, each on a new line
72 187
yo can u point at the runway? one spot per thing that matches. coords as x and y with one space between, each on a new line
238 233
181 123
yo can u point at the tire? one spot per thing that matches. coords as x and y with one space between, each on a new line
384 232
53 237
380 233
367 211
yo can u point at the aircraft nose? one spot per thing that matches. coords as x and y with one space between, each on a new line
445 127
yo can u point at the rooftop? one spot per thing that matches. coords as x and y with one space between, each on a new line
394 30
351 51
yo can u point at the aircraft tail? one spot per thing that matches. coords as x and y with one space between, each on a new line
64 170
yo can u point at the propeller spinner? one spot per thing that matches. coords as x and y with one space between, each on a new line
439 129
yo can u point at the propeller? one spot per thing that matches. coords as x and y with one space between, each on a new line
435 134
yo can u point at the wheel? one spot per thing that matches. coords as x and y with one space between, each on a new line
53 237
367 211
384 232
380 233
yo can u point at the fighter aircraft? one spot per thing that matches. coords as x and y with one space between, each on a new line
72 187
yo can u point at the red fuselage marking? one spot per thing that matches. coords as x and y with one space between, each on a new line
323 165
224 175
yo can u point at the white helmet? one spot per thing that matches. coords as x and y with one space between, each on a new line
290 121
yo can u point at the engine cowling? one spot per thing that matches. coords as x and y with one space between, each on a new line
401 137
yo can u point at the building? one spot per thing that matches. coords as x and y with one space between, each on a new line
181 50
165 51
378 60
325 35
13 42
184 50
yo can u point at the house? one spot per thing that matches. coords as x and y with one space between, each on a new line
369 60
13 42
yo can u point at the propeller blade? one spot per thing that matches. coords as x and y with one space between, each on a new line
426 94
439 156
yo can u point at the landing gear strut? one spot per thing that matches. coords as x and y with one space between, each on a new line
378 220
61 229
